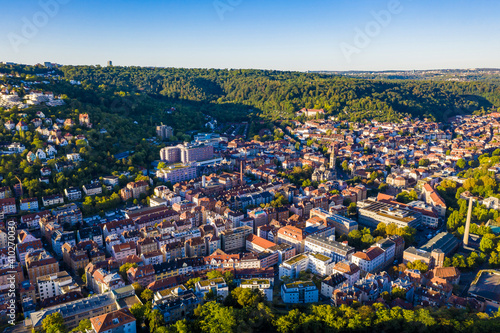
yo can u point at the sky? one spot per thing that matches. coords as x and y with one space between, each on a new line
297 35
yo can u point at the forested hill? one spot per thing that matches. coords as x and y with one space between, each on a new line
268 91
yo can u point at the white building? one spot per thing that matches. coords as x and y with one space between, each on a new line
217 285
56 284
349 270
371 260
328 247
264 285
299 292
332 282
315 262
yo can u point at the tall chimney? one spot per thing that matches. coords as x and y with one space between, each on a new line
467 223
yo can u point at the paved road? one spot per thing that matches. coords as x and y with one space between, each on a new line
19 328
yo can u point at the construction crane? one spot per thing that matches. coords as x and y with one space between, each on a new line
20 185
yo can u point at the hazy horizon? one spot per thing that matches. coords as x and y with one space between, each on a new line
291 35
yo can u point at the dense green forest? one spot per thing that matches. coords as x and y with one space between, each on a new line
265 92
236 95
244 310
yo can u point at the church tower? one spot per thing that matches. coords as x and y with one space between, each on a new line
333 158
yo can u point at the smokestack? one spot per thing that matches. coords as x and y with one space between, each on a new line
204 181
467 224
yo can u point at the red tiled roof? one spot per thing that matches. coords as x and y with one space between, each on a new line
112 320
259 241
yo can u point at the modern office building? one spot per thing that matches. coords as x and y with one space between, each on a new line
371 213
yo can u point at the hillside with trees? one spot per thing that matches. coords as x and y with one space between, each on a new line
276 94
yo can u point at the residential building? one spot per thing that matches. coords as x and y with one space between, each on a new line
56 284
328 247
52 200
264 285
434 199
143 275
257 244
235 239
75 311
59 238
119 321
218 286
73 193
68 214
164 131
349 270
332 282
134 190
292 236
123 250
315 262
300 292
92 189
187 153
8 206
29 204
370 260
177 173
176 303
40 263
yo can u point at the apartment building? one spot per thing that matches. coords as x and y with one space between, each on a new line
143 275
59 238
264 285
328 247
235 239
8 206
292 236
56 284
217 285
68 214
370 260
92 189
258 244
315 262
349 270
119 321
299 292
187 153
177 173
123 250
28 204
332 282
73 193
102 280
118 227
164 131
40 263
53 200
74 312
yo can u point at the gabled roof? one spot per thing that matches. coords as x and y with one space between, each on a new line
111 320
